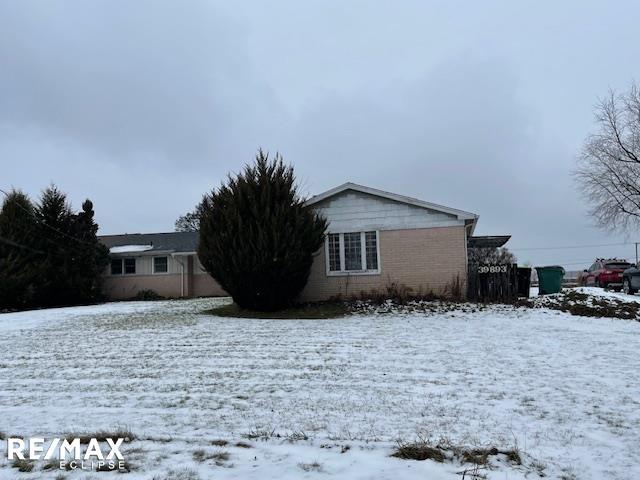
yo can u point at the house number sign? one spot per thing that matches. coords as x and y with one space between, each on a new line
492 269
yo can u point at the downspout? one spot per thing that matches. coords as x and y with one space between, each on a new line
181 274
468 232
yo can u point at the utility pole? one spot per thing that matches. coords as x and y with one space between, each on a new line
636 253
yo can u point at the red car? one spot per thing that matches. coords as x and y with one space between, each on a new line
606 273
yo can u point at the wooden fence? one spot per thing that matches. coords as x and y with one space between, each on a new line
492 283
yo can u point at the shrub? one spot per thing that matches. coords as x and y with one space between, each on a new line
454 289
148 294
257 237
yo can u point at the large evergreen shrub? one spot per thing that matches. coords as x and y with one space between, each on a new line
257 238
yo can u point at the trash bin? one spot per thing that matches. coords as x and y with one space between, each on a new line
524 281
550 279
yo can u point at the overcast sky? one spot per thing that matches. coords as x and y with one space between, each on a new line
483 106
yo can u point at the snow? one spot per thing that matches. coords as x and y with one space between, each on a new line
130 248
562 389
601 292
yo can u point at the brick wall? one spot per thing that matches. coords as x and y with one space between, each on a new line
205 286
124 287
197 283
425 260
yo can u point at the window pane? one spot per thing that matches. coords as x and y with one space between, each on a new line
160 264
334 252
129 265
352 251
371 243
116 266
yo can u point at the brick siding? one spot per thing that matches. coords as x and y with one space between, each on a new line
425 260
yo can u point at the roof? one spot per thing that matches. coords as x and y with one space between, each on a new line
488 241
460 214
165 242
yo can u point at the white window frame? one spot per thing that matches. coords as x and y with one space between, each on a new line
363 253
124 266
121 267
153 264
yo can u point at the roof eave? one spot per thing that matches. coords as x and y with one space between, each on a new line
460 214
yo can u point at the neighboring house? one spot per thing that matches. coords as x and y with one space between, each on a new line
374 239
166 263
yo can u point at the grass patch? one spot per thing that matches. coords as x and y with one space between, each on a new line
219 443
22 465
309 311
261 434
181 474
443 451
311 467
480 456
243 445
102 436
297 436
221 456
202 455
51 465
164 439
419 451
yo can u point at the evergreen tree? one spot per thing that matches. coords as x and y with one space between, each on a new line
257 238
19 256
90 257
48 255
55 234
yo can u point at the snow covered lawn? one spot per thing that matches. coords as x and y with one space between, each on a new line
325 398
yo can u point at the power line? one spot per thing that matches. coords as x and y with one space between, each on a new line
19 245
567 247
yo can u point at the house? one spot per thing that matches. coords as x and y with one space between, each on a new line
166 263
374 239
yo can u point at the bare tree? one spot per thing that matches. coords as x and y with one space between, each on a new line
490 256
190 221
609 167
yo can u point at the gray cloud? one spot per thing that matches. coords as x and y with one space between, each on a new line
145 105
120 78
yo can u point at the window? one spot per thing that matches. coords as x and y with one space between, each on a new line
129 266
160 265
352 252
371 245
334 252
116 266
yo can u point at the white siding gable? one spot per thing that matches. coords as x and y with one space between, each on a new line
352 211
